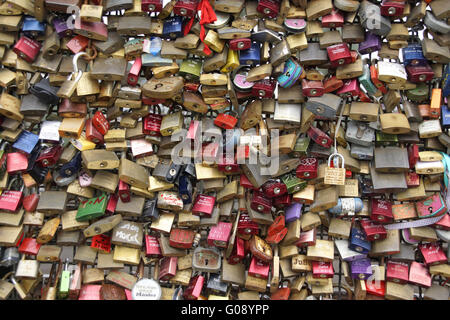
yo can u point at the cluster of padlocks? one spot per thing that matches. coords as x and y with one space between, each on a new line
227 149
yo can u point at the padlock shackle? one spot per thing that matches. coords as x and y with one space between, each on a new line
75 60
335 154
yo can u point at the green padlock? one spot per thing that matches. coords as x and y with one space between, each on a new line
293 183
385 139
419 93
301 147
190 69
64 283
92 208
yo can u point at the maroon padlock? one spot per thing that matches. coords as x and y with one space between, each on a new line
419 73
312 88
391 8
151 5
240 44
228 164
319 137
264 89
307 169
339 54
49 156
260 202
92 134
246 226
274 188
381 210
282 202
269 8
27 49
168 268
307 238
186 8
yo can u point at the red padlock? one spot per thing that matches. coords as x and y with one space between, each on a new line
246 226
168 268
269 8
27 49
282 202
444 223
238 253
350 87
311 88
219 234
277 230
339 54
101 243
397 271
124 191
152 247
322 269
412 179
151 124
281 294
181 238
376 288
319 137
49 156
307 238
29 246
151 5
135 71
432 253
245 183
307 169
186 8
100 122
333 20
273 188
390 8
194 289
419 275
264 89
92 134
77 44
225 121
30 202
11 200
16 162
260 202
258 268
373 230
112 204
332 84
413 155
381 210
203 205
240 44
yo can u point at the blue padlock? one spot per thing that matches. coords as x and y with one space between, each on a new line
446 81
445 116
347 206
33 28
251 56
413 55
358 241
173 28
71 167
26 142
292 71
185 189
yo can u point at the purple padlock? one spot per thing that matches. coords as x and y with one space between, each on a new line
372 43
293 212
361 269
62 28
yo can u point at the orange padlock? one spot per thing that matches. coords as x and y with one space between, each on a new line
225 120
